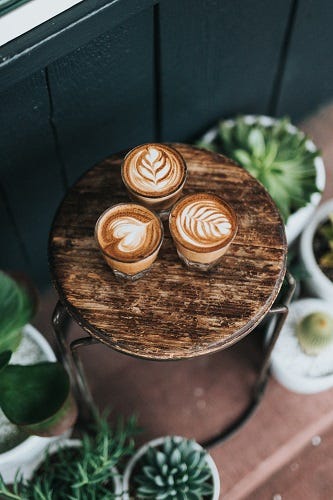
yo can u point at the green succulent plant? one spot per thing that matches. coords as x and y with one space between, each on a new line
326 260
315 332
274 155
80 473
177 469
35 397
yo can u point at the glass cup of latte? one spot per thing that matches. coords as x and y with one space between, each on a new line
202 226
154 175
129 237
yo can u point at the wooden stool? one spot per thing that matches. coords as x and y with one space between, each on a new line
173 312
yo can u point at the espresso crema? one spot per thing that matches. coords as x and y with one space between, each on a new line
128 232
153 170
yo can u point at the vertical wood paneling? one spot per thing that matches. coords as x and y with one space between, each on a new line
308 75
103 94
29 171
218 58
11 254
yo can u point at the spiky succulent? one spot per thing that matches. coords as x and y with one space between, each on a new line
178 469
276 154
315 332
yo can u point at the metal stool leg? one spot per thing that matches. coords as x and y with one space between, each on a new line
280 314
68 356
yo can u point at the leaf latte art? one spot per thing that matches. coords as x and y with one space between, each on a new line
130 234
203 224
153 169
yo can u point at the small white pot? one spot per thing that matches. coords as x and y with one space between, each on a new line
291 367
158 442
299 219
317 282
26 453
72 443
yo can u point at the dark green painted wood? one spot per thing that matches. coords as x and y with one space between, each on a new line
29 171
62 34
103 95
308 75
12 257
217 58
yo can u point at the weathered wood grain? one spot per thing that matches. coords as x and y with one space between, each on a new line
172 312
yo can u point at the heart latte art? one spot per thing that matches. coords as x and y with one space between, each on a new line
129 234
153 170
202 223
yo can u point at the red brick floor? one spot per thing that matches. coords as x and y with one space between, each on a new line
272 457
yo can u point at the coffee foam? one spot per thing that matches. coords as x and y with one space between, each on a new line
153 170
202 222
128 232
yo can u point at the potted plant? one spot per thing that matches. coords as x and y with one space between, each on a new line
281 157
316 250
302 359
171 467
83 468
35 397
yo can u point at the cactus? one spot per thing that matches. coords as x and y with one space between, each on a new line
315 332
178 470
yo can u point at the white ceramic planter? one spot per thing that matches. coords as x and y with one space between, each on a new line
317 282
26 453
299 219
291 367
72 443
158 442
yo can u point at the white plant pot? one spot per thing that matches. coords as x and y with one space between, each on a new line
158 442
72 443
27 452
291 367
317 282
299 219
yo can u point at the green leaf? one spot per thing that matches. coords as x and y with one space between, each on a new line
257 142
16 310
4 359
243 157
175 457
31 394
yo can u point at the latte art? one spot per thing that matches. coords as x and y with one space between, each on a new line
153 170
130 233
202 223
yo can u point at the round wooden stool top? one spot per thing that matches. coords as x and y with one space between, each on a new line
172 312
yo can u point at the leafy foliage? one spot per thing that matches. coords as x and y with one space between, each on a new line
16 310
326 230
176 470
274 155
82 473
32 394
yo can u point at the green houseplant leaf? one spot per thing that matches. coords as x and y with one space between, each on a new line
32 394
4 359
17 307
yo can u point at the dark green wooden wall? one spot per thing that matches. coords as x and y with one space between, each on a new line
166 73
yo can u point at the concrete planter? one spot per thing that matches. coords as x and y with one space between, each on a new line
291 367
28 451
317 282
158 442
